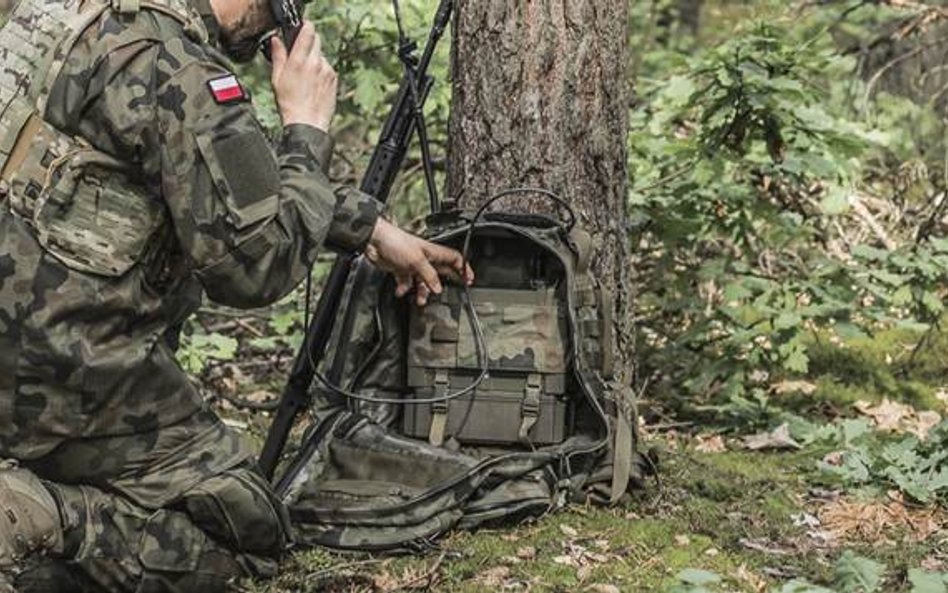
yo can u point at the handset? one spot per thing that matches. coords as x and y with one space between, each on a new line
289 20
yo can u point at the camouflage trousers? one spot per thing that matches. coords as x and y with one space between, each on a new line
178 510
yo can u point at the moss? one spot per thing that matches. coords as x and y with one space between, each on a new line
886 365
709 503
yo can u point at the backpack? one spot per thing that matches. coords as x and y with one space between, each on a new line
490 405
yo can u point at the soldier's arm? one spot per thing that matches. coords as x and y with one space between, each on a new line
251 218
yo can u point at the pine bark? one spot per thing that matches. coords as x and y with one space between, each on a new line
540 98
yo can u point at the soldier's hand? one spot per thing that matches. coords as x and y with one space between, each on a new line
304 83
414 262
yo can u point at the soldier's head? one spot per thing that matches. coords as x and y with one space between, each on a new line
243 23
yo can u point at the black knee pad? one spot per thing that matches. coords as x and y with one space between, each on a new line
238 509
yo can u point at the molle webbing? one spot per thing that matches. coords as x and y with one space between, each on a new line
34 45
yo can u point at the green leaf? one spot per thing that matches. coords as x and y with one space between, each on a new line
284 321
927 582
836 202
857 574
678 90
370 85
802 587
695 576
787 320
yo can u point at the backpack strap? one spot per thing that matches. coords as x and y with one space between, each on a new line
439 410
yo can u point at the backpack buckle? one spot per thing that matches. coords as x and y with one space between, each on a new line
530 407
439 409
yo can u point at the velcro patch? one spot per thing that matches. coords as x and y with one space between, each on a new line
227 89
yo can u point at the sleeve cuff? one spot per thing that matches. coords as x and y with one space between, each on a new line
305 139
353 220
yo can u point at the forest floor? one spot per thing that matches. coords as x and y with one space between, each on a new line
793 517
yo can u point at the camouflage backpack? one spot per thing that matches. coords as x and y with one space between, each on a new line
488 405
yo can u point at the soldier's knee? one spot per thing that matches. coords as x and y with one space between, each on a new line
239 509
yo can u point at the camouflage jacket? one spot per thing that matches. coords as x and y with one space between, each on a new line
85 354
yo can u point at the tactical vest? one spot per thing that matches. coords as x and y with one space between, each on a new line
87 208
406 462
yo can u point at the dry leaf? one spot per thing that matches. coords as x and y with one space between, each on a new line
568 531
765 546
942 395
527 553
778 439
924 423
238 425
893 416
602 588
804 387
933 564
260 396
888 415
805 520
878 521
755 581
494 577
710 444
583 573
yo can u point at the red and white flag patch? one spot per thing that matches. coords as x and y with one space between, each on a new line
227 89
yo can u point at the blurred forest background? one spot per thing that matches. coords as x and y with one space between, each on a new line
787 214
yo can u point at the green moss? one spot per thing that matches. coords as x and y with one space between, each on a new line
708 505
886 365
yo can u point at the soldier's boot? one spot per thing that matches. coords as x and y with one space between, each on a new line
30 523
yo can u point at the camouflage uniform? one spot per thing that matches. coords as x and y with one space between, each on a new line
143 192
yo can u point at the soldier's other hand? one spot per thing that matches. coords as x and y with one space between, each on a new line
304 83
414 262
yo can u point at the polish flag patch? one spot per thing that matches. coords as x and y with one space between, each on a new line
227 89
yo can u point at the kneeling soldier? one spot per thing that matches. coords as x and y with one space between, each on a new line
135 178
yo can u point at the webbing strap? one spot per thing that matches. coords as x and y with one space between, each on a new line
622 459
439 410
582 243
12 121
21 148
607 337
530 408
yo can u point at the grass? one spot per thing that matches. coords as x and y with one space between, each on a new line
747 516
711 510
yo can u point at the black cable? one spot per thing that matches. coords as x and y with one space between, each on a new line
477 328
309 297
246 404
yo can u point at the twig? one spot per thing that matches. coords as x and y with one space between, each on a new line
863 213
333 571
427 576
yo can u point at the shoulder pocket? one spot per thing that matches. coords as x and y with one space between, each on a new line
244 171
90 214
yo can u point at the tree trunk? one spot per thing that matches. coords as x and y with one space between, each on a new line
541 99
912 67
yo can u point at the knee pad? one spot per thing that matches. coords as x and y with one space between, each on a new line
238 509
